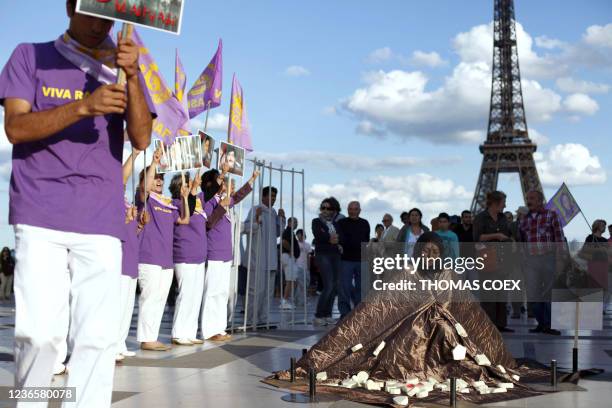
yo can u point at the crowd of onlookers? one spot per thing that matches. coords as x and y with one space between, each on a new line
335 261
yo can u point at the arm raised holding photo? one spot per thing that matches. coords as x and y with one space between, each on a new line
184 215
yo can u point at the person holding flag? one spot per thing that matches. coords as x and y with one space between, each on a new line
155 258
220 254
65 116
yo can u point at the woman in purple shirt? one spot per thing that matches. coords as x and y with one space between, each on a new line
155 258
190 253
129 266
220 254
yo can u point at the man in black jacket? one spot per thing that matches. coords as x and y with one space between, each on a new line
353 232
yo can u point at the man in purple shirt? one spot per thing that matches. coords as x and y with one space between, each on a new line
65 116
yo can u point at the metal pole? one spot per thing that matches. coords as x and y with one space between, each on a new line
575 350
292 247
257 256
237 257
269 252
206 121
249 254
306 272
133 177
280 268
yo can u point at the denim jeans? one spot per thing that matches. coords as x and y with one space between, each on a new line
329 269
346 290
540 274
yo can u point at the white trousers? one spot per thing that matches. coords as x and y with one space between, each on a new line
216 295
64 321
41 301
154 287
190 280
127 295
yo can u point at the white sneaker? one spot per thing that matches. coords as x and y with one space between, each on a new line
319 321
286 305
59 369
128 353
119 357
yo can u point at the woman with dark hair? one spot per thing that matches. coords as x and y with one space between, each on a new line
155 258
327 257
222 199
190 248
7 267
410 233
491 226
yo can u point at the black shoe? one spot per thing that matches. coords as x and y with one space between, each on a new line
552 332
538 329
505 330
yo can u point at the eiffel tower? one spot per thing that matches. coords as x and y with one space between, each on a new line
508 148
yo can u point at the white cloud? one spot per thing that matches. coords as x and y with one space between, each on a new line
330 110
571 85
537 137
380 55
580 104
394 194
548 43
427 59
365 127
296 71
571 163
399 101
476 45
599 36
351 162
216 121
403 103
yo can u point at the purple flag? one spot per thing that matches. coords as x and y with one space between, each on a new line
239 133
564 204
180 80
170 114
206 92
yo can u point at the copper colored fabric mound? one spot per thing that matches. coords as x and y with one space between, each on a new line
418 328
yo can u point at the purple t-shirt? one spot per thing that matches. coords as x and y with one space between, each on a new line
190 241
220 235
70 181
130 247
157 236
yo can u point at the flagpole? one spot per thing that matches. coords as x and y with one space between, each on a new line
206 120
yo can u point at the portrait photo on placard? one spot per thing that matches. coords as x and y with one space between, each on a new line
208 148
184 154
165 15
233 156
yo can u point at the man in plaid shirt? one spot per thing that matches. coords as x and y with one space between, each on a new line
543 235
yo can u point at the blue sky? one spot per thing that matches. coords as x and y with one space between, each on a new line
386 102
